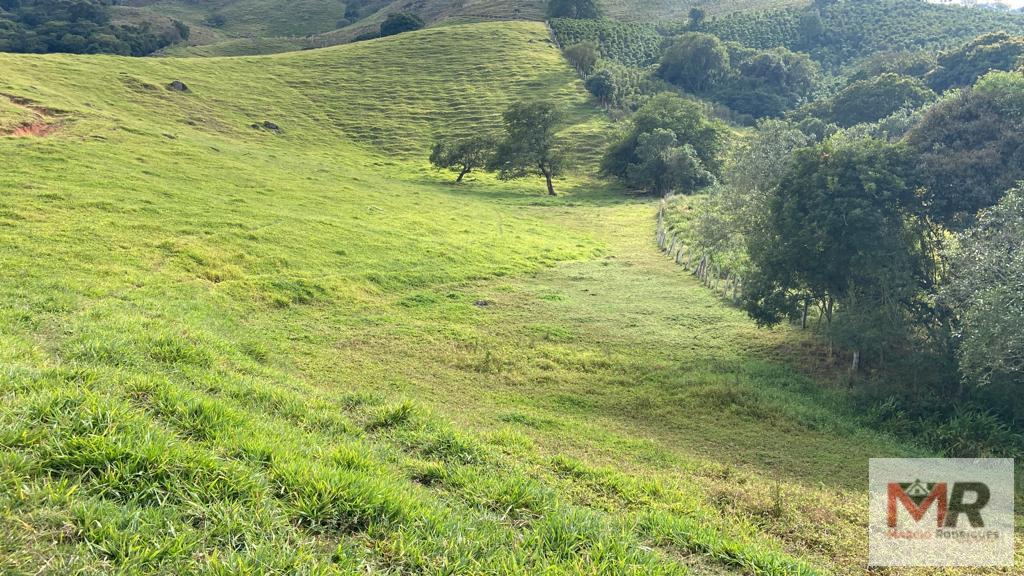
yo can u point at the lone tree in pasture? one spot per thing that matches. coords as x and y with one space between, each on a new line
462 155
529 144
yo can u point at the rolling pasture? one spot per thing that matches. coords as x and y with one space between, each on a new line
244 329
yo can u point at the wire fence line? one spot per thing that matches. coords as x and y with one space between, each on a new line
701 264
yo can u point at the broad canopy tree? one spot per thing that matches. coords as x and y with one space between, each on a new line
970 148
870 100
964 65
529 146
695 61
400 22
670 146
841 227
663 165
462 156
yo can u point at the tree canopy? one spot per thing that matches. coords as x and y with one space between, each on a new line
695 61
580 9
970 147
78 26
871 100
986 281
964 65
695 150
768 82
529 144
835 229
463 155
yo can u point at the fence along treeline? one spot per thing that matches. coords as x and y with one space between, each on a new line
703 265
80 27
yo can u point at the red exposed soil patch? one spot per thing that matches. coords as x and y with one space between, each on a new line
37 129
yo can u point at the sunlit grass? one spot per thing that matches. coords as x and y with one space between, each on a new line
230 350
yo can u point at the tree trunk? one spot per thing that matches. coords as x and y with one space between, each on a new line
465 170
551 187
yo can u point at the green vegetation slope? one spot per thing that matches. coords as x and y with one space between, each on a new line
243 329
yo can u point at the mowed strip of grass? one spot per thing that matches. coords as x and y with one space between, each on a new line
235 350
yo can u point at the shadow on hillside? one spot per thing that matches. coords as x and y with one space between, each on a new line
530 192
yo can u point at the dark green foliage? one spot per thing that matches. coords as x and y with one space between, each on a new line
750 82
904 63
835 232
529 144
462 155
78 26
583 56
971 147
216 20
695 62
575 9
985 283
400 22
602 86
664 166
629 43
964 65
870 100
767 83
695 153
697 17
622 87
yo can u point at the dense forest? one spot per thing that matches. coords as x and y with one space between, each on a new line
78 26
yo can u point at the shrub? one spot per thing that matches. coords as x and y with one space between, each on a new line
400 22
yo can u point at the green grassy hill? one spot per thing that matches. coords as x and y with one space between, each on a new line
297 350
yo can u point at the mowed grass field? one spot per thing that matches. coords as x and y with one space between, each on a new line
298 350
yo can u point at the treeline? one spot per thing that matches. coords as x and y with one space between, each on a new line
900 241
78 26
